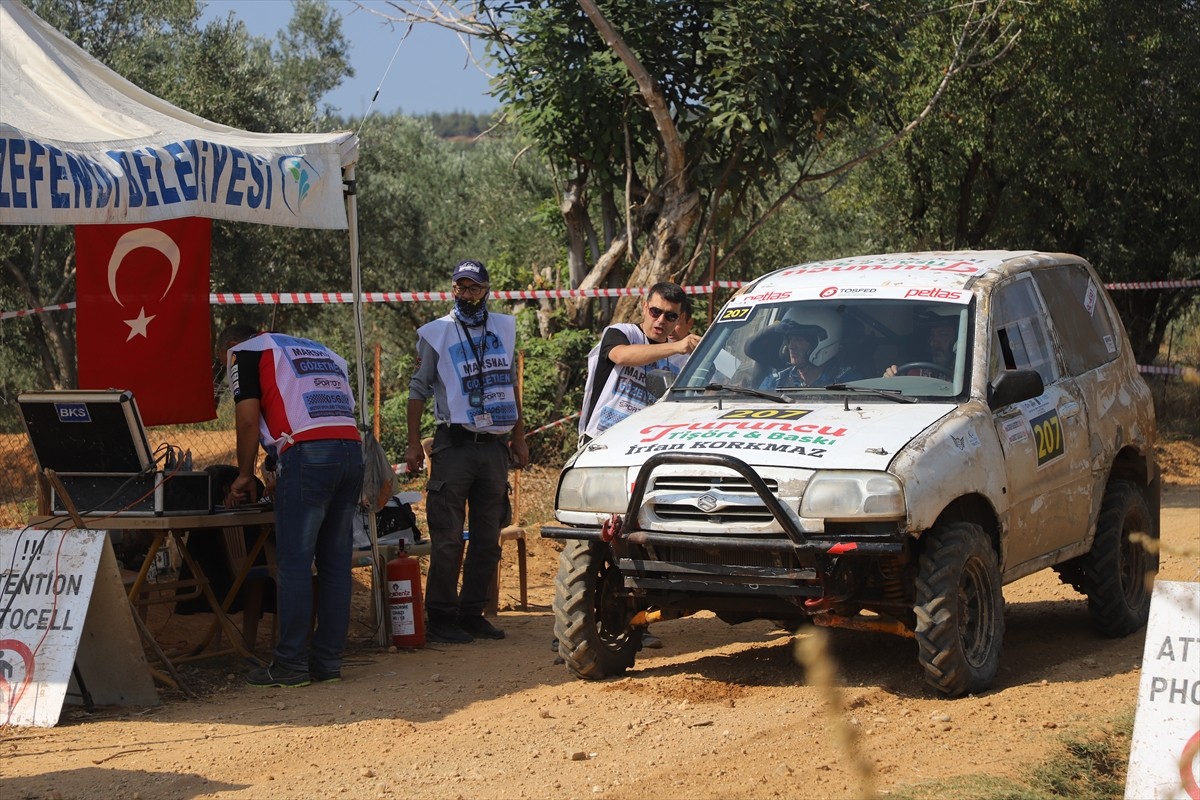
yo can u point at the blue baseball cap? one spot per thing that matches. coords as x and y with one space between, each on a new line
473 270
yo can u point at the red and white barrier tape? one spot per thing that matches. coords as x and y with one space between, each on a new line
1112 287
554 424
28 312
309 298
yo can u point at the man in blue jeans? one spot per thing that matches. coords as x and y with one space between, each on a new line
293 396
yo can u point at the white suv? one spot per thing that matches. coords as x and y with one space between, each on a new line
875 443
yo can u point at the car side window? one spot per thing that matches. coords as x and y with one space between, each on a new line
1019 336
1081 317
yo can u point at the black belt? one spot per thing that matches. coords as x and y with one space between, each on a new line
460 434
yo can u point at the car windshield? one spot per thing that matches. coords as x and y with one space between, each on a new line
912 348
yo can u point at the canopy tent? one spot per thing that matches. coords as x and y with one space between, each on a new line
79 144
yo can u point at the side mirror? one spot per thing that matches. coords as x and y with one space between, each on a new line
1013 386
658 381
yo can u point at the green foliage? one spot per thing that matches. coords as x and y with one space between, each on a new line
1080 140
555 369
752 85
460 124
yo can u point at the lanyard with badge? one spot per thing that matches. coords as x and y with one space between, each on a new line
481 418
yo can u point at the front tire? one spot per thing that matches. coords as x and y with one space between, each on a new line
959 609
1117 574
591 620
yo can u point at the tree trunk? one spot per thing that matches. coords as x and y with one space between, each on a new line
665 250
574 211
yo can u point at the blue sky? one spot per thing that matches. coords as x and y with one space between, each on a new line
431 71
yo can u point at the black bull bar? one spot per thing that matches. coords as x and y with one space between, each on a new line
796 542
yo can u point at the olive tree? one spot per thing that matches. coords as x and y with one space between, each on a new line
677 129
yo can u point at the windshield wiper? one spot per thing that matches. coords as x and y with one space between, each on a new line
890 394
726 387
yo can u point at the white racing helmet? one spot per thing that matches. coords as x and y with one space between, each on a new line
824 324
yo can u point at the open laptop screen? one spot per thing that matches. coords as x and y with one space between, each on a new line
82 430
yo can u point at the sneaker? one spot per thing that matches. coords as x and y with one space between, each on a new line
275 676
325 677
651 641
480 628
447 633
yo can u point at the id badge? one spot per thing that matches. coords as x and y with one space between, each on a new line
475 398
482 420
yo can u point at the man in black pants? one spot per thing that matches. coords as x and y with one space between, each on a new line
466 362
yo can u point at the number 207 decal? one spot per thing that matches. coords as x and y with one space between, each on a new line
735 313
766 413
1048 434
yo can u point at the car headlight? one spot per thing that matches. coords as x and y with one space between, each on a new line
600 489
853 496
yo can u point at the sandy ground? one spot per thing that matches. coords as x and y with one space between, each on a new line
720 711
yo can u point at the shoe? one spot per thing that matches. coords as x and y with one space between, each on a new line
325 677
447 633
275 676
651 641
480 628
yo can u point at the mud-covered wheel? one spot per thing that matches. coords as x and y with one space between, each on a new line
591 621
959 609
1117 574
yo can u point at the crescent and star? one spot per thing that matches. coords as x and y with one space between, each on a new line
142 237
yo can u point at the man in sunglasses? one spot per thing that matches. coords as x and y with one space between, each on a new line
617 366
466 362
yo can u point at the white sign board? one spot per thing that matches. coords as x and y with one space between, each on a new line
1164 761
46 580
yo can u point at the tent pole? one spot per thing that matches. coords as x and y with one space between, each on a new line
356 287
378 584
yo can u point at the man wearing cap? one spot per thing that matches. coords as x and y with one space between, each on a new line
466 362
616 381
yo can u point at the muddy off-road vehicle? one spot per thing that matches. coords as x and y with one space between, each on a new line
962 419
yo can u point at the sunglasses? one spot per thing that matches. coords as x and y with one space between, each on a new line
656 312
470 288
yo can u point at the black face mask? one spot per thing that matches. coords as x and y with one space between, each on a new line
471 313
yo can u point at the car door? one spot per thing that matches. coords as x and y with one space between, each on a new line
1045 439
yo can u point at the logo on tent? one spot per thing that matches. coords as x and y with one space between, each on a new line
303 174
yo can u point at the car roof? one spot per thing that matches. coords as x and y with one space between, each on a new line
950 272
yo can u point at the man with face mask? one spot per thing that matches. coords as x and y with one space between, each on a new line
466 362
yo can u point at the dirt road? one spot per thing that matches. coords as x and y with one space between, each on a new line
720 711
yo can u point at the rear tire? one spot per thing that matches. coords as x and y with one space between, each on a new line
1117 574
959 609
591 621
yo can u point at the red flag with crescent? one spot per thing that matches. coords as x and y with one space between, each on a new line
142 315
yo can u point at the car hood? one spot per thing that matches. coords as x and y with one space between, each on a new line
820 435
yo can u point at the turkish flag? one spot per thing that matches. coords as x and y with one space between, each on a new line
142 315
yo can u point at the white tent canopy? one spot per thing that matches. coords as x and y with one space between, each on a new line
79 144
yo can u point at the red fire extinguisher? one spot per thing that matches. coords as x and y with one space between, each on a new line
404 601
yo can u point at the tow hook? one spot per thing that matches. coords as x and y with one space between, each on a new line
820 605
611 528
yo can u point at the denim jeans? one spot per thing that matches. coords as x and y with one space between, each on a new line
320 484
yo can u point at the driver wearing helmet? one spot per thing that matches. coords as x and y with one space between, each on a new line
809 348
